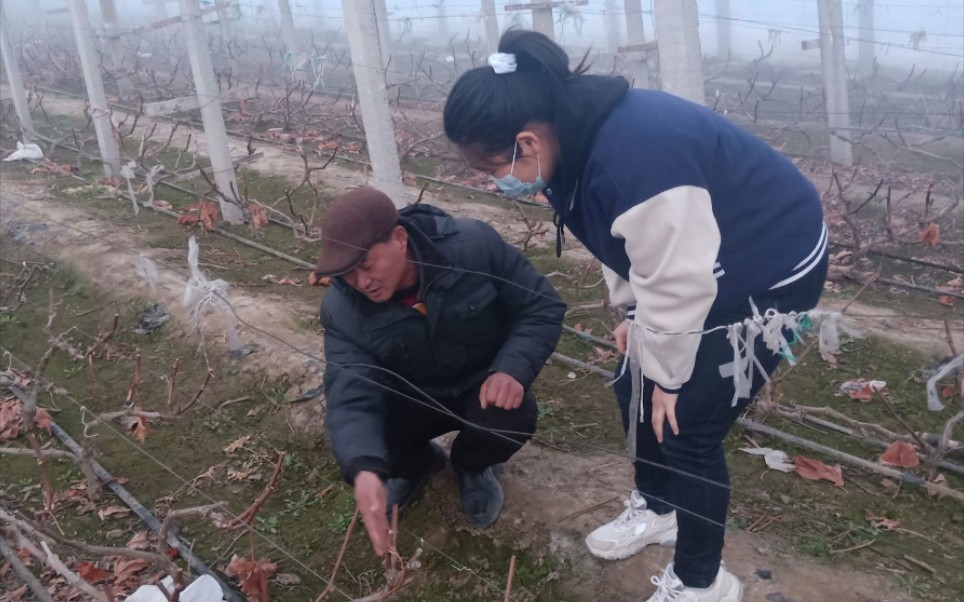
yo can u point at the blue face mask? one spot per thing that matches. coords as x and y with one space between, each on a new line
515 187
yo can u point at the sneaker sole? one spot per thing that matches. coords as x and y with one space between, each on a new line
624 553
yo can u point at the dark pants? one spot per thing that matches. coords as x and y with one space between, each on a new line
704 414
411 426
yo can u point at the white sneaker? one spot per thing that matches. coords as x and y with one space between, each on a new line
632 531
726 588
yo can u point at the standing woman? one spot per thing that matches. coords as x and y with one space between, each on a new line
698 225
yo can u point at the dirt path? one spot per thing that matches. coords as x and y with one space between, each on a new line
546 491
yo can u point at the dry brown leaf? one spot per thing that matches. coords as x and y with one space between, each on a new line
126 568
930 234
188 220
289 282
900 453
91 573
947 300
113 512
253 576
816 470
882 522
259 219
18 594
9 418
43 419
210 215
237 444
938 480
159 204
140 541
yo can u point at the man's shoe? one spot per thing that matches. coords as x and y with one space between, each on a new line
632 531
403 491
481 496
726 588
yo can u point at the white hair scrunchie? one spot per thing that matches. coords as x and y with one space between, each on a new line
502 62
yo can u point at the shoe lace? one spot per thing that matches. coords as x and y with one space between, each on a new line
629 515
665 591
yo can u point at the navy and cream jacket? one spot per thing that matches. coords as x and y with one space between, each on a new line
690 216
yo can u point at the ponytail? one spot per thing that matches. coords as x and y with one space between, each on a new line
485 109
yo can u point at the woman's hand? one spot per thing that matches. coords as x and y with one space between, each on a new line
664 410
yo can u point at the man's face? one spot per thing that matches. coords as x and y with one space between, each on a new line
381 272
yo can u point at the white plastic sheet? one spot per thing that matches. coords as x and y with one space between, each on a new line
25 151
204 589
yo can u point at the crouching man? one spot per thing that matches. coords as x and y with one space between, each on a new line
432 324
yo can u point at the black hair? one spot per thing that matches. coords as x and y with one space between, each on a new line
486 110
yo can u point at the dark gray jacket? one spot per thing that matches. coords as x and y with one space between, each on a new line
488 310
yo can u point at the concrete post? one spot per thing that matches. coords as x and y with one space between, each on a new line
491 24
636 35
723 29
383 28
542 21
299 60
360 25
443 20
834 68
210 100
635 31
612 24
160 10
865 48
11 65
99 110
125 90
680 57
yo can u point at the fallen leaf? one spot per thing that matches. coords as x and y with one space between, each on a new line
237 444
210 215
252 575
91 573
830 358
112 512
286 579
126 568
19 593
140 429
140 541
948 390
289 282
816 470
259 219
882 522
43 419
900 453
889 484
947 300
862 390
159 204
9 418
938 480
188 220
930 234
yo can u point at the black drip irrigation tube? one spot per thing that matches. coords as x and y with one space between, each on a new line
145 515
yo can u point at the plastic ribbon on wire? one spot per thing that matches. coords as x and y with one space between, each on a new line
933 399
772 328
201 294
150 178
127 172
146 269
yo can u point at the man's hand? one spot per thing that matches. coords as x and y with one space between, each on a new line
621 333
372 499
316 280
664 410
502 391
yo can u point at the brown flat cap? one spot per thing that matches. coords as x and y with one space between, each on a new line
353 223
